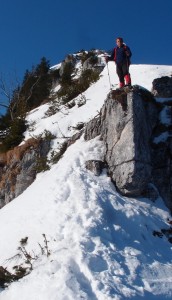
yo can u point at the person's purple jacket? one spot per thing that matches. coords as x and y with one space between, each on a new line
121 55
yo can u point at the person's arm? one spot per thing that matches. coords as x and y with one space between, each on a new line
128 52
110 58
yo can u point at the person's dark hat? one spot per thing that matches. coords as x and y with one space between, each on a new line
120 38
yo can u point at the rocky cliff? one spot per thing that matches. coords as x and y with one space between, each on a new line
19 166
138 144
162 139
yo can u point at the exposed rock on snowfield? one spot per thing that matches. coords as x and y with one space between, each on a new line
18 168
162 142
95 166
162 87
126 124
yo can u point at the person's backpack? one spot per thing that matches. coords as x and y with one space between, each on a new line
125 49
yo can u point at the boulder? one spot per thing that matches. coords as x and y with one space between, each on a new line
126 129
162 139
162 87
138 144
95 166
18 168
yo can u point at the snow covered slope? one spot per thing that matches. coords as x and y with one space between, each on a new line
102 245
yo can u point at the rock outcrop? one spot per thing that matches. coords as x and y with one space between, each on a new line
18 168
127 124
162 139
162 87
95 166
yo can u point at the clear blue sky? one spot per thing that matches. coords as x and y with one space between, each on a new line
31 29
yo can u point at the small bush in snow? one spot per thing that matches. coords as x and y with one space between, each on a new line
56 155
26 265
42 165
53 108
48 136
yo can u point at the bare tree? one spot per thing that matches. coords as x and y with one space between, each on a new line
7 92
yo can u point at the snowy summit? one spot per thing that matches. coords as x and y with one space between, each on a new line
85 240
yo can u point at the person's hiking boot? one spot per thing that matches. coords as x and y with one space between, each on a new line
128 84
127 80
121 85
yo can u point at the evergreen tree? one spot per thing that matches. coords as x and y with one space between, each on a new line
66 78
35 89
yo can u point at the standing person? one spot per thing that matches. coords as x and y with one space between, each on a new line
121 55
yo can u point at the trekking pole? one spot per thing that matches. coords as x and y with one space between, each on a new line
109 77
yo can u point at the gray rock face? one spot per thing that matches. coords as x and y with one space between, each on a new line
27 173
93 129
138 157
126 131
95 166
19 169
162 141
162 87
89 65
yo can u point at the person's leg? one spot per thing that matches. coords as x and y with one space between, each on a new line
119 72
127 79
126 74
